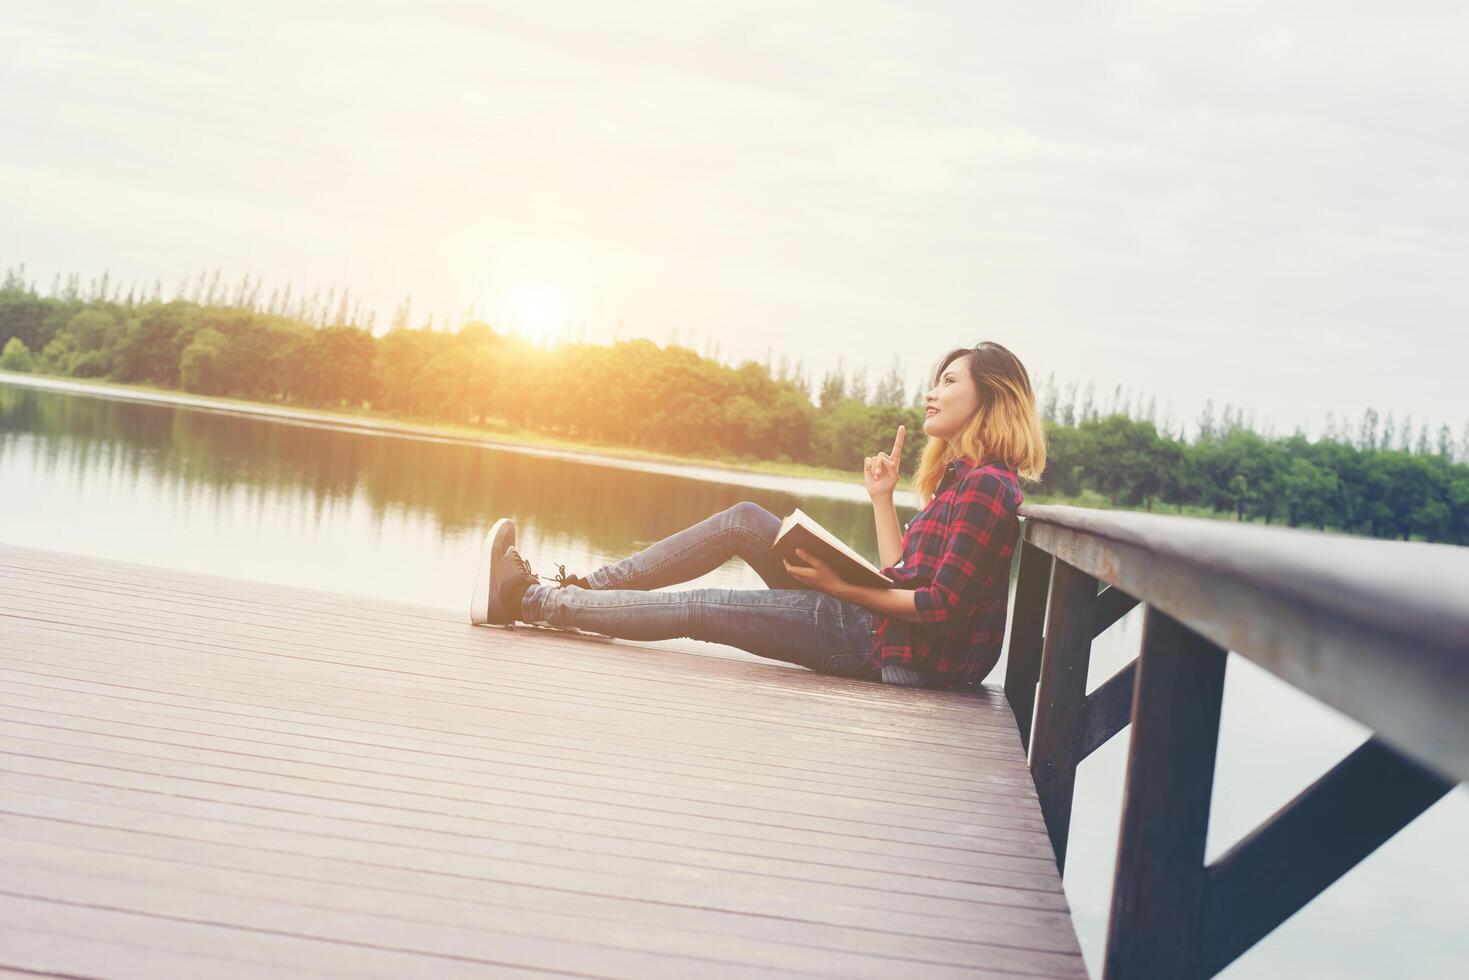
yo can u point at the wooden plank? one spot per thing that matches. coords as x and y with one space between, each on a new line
356 611
104 828
753 681
501 940
192 763
519 750
1111 605
124 665
1009 842
31 952
1158 887
369 626
246 949
434 923
491 697
532 824
1055 745
938 813
411 791
124 614
71 820
1387 587
55 664
1107 710
812 843
633 858
585 863
1027 631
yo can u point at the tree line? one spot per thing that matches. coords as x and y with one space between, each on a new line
1379 477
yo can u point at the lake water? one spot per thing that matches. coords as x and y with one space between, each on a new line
402 518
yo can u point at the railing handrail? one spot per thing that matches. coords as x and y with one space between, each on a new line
1377 629
1411 587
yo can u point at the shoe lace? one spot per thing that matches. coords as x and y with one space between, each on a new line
522 565
561 579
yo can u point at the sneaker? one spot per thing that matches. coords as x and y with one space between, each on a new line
510 576
501 536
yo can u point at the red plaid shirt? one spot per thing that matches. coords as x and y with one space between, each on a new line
956 558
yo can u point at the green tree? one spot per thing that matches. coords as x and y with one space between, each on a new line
58 356
1456 499
336 366
1239 494
402 357
203 363
16 356
28 317
1376 490
94 329
1431 520
1132 464
1416 496
1308 493
151 342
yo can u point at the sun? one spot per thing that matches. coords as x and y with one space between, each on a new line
538 311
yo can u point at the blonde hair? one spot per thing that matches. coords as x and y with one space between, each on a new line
1005 428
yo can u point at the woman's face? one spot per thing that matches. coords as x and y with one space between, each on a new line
951 402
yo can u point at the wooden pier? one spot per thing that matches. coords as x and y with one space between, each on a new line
208 777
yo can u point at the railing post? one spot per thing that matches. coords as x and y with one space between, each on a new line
1027 623
1156 926
1060 702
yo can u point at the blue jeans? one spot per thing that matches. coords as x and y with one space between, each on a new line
783 622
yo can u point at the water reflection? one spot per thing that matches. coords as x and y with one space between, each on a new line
301 493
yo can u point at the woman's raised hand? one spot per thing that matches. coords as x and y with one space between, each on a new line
880 472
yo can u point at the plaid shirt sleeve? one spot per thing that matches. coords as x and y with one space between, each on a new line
981 506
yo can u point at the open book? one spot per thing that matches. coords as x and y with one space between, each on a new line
800 531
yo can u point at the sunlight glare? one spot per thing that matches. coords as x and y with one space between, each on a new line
538 311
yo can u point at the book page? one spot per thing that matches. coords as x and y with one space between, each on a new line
798 516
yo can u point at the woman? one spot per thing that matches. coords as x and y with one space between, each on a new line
941 627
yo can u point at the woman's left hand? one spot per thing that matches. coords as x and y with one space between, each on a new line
815 574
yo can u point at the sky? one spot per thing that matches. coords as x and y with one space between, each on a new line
1258 203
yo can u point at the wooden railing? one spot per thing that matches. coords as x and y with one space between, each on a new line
1378 630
